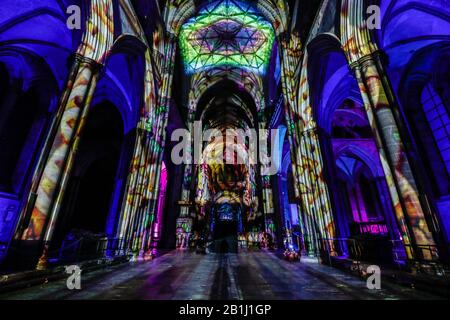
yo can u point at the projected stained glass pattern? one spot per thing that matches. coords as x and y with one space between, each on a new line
227 33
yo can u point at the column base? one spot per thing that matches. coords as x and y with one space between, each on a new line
22 255
43 262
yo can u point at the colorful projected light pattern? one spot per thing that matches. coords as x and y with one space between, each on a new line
227 33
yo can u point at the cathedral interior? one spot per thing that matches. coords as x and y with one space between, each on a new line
349 101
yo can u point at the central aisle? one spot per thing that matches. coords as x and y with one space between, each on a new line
186 276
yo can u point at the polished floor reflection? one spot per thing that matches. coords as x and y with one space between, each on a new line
248 275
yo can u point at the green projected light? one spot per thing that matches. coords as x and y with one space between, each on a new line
228 33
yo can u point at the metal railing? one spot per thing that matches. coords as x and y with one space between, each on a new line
87 249
69 251
385 252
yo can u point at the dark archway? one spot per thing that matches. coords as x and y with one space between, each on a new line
89 192
24 115
93 198
26 103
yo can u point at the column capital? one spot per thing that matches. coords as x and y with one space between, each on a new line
291 42
94 65
368 59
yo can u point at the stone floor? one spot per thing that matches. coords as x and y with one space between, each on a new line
249 275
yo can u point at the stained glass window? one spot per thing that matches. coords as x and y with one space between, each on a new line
227 33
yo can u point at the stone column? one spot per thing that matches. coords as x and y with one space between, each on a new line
56 171
189 168
38 172
310 186
142 188
389 215
164 102
265 162
185 220
402 185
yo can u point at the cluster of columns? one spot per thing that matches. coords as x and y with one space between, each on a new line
266 185
413 218
403 189
310 187
307 163
50 179
142 191
42 208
